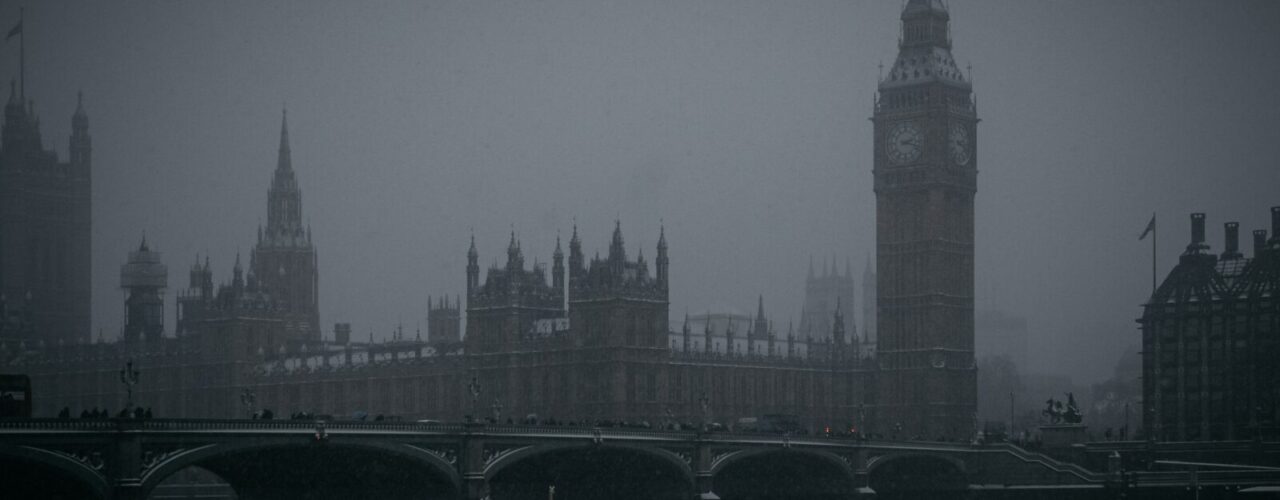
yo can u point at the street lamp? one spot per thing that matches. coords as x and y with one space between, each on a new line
474 387
247 399
129 377
1124 431
496 407
706 409
862 420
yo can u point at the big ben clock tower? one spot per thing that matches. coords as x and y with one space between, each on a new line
925 178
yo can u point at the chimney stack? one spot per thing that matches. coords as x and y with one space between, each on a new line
1231 245
1275 222
1197 232
1259 242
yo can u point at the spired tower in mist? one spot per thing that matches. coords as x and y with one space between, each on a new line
283 262
925 179
45 224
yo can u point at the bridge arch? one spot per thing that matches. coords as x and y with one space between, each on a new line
736 456
511 472
441 470
57 464
897 474
772 473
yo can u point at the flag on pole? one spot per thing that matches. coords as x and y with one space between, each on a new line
16 30
1151 226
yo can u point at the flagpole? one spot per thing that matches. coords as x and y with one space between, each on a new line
1154 237
22 57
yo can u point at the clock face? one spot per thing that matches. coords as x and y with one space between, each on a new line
959 144
904 143
937 360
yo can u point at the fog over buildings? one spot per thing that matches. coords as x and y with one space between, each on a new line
739 124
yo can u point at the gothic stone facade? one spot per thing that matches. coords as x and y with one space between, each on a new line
593 341
44 230
281 288
823 295
589 342
602 354
222 333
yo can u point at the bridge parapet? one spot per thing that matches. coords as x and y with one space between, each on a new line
133 455
125 424
585 431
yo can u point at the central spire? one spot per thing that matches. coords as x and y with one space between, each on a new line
617 251
284 199
285 161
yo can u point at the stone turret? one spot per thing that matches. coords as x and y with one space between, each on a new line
144 276
616 287
510 303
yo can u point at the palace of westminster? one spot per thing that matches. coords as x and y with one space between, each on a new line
592 341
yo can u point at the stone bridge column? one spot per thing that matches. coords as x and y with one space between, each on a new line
702 472
860 477
124 469
471 466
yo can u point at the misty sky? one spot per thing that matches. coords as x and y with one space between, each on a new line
741 123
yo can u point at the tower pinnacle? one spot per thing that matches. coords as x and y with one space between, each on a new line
285 162
617 252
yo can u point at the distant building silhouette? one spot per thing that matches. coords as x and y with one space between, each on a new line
145 278
823 295
44 229
1210 341
869 303
998 333
444 320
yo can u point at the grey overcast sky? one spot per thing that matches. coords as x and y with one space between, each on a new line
741 123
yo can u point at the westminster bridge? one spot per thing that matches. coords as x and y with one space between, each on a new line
278 459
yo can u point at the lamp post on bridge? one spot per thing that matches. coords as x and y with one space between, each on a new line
248 399
706 410
129 377
1124 431
496 408
861 429
474 388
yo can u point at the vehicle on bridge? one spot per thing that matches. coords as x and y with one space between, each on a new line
774 423
15 396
